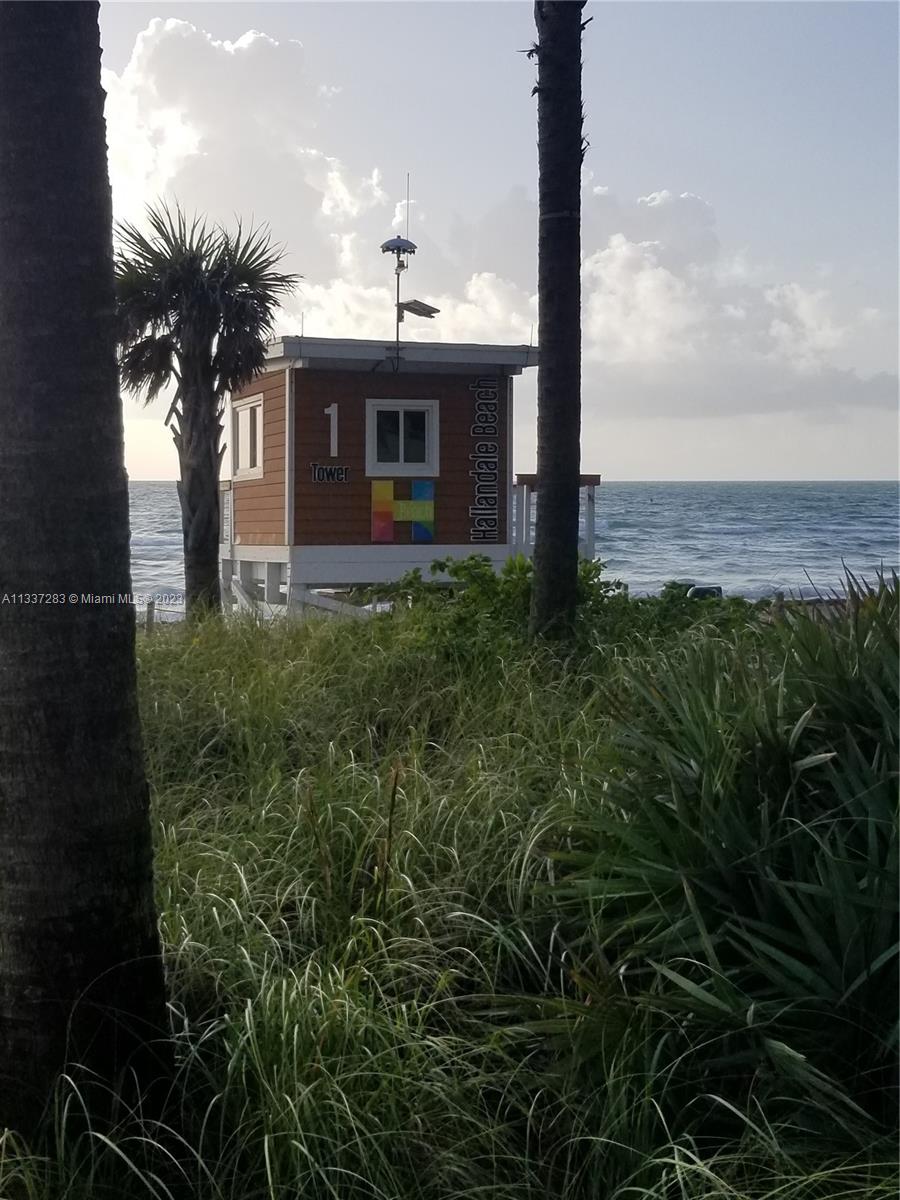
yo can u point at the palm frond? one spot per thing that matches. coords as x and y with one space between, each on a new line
147 365
208 295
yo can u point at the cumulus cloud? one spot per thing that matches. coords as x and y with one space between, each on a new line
233 128
491 310
683 227
340 308
803 331
673 323
635 309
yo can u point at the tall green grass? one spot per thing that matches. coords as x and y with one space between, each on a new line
738 885
475 919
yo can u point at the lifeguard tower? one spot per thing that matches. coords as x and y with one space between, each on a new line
355 461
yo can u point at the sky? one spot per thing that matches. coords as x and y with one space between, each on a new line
739 204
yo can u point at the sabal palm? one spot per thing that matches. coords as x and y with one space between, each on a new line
195 305
560 152
81 977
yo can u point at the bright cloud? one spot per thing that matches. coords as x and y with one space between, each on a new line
673 323
803 331
232 128
491 310
636 310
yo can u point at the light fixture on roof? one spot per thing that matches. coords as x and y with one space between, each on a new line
399 246
418 308
402 247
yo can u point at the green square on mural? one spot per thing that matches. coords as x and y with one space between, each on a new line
413 510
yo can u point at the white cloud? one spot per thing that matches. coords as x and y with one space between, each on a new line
803 331
343 198
673 323
491 310
341 308
347 255
232 128
416 215
684 225
636 310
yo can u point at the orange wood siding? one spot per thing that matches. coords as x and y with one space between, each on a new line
259 503
334 514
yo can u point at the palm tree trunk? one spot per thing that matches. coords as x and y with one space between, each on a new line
197 442
81 976
559 314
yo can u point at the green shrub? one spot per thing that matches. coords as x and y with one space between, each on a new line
482 611
735 877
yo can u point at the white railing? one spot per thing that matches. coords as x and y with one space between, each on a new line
524 509
302 597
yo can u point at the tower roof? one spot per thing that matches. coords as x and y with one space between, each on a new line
358 354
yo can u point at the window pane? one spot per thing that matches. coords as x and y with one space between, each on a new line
415 425
236 448
387 436
254 418
244 440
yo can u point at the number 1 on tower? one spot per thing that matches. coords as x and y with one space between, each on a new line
331 412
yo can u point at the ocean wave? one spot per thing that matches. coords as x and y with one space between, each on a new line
742 536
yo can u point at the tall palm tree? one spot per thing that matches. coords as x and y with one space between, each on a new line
195 305
81 975
560 153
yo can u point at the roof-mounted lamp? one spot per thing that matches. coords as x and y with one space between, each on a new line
403 248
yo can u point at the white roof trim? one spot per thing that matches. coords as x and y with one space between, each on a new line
315 353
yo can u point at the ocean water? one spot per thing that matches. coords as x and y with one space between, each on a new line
751 538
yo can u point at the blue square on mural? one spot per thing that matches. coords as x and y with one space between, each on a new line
422 489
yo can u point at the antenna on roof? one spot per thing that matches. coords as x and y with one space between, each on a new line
403 248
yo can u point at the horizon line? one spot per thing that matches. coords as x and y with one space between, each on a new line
174 479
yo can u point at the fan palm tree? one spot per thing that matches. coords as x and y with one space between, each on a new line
560 153
196 305
81 975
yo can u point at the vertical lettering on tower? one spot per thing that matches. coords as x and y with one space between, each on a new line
484 511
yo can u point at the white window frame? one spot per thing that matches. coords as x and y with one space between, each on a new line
237 408
431 467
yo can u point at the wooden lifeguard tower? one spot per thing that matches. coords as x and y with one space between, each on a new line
354 462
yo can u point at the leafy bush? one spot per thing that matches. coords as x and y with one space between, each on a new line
735 878
483 611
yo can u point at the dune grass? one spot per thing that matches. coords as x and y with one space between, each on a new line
454 918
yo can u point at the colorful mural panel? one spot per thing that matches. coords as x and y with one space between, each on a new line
418 510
